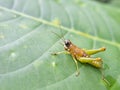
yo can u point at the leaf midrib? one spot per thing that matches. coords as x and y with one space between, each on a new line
62 27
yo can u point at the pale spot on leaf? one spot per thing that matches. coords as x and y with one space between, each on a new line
53 64
58 1
56 21
25 46
37 63
14 16
2 36
23 26
4 25
82 4
13 56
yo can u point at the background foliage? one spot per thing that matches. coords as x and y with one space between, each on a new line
26 43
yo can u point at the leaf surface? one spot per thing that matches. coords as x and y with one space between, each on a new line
26 44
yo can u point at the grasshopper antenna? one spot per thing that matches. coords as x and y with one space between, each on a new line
60 36
61 32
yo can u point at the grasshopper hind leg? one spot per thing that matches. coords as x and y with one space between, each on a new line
91 52
103 78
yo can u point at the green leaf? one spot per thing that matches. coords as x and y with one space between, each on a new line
26 44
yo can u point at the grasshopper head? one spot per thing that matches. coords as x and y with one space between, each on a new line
67 43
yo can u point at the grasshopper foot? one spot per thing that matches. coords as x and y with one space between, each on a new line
77 74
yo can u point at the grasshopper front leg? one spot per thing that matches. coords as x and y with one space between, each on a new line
77 70
61 52
76 63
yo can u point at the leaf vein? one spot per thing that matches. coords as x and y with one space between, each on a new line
64 28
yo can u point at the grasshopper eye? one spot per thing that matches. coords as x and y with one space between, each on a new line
67 43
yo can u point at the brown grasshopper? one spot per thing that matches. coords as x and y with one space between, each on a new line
83 56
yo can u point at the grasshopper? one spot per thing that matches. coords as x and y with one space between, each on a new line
82 55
